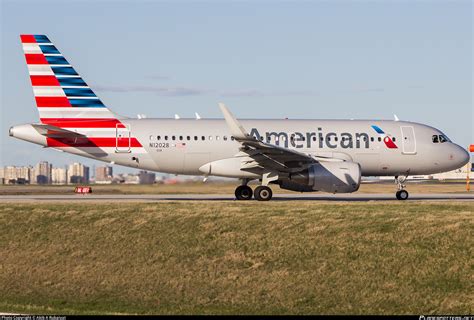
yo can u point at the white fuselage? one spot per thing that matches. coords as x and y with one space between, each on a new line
185 146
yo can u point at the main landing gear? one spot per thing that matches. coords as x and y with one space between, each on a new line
243 192
401 194
261 193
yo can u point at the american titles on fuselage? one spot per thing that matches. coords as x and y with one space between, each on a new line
332 140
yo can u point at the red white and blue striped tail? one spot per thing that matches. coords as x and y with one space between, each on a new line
61 95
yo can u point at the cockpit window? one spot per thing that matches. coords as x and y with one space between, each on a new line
443 138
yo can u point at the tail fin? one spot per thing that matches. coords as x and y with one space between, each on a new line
60 92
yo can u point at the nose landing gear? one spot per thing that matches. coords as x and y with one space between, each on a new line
401 194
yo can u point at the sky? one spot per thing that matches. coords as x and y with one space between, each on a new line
300 60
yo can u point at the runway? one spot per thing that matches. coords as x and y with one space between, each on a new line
354 197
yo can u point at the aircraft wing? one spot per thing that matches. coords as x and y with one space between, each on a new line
264 155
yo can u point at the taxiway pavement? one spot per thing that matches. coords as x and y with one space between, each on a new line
353 197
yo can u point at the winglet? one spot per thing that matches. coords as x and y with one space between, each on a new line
236 129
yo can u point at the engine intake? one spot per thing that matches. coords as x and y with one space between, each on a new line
333 177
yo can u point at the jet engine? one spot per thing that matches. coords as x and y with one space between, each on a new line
333 177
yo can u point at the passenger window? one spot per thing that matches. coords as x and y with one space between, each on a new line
232 138
166 137
210 137
173 138
393 139
217 137
195 138
380 139
158 138
225 138
180 137
203 138
372 139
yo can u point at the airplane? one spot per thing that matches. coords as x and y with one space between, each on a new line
298 155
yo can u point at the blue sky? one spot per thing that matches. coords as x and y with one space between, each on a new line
321 59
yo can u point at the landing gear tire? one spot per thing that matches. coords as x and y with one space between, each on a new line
243 193
402 195
263 193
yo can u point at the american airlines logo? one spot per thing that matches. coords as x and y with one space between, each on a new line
386 138
332 140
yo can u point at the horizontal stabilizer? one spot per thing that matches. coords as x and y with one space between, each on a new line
55 132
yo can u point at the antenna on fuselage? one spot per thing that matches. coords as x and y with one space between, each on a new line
198 117
177 117
395 117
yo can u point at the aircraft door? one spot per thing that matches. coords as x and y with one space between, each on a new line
408 140
122 138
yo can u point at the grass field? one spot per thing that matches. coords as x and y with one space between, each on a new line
232 257
222 188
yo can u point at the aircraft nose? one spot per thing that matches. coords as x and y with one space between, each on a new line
462 156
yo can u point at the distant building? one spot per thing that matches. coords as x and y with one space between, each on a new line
42 173
145 177
103 175
127 178
458 174
59 176
78 173
15 175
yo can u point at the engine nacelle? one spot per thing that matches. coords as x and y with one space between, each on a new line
333 177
